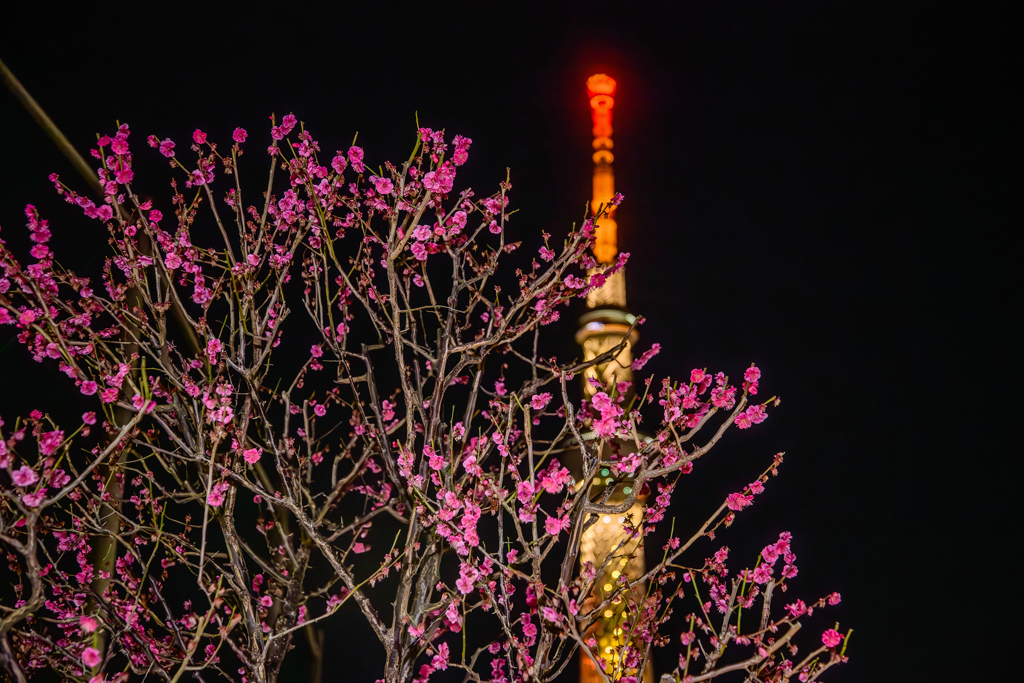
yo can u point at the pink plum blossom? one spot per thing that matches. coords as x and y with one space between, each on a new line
647 356
49 442
738 501
91 657
461 152
24 476
213 347
796 609
467 575
529 629
831 638
540 401
59 479
140 403
556 525
756 414
525 491
355 158
602 402
574 282
216 495
762 573
434 460
33 499
551 615
440 660
383 185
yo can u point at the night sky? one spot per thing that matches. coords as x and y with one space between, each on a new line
820 188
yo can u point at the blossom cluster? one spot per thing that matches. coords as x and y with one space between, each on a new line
274 385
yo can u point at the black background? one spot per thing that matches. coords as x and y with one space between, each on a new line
820 188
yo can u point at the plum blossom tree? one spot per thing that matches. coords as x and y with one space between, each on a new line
327 401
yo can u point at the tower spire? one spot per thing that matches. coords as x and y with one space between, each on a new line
601 91
607 322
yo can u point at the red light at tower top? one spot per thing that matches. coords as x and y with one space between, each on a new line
601 91
601 84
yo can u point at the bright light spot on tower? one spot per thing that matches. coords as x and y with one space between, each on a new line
601 84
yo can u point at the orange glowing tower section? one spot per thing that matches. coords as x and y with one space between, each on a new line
601 90
607 322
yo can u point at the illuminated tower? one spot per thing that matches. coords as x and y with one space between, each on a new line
605 325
